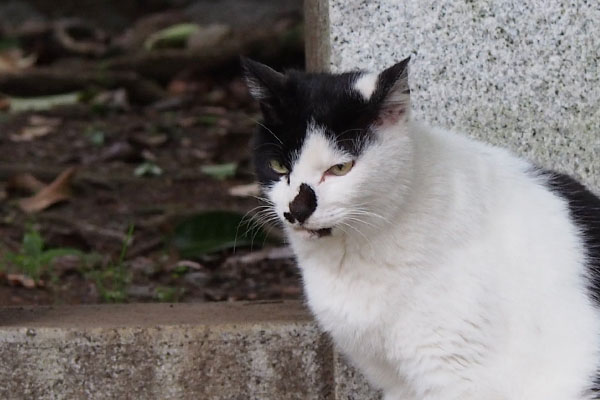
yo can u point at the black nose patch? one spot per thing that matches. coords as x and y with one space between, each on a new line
303 205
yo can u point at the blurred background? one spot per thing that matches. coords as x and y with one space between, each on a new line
125 170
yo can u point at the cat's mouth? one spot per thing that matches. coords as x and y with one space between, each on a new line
317 233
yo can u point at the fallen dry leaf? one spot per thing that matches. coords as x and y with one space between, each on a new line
40 120
179 86
57 191
25 182
36 127
4 103
275 253
149 156
29 133
14 60
115 99
20 280
149 140
187 122
121 151
208 36
187 264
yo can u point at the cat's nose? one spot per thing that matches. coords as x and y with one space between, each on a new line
303 205
289 217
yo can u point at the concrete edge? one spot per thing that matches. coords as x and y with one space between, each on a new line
220 351
142 315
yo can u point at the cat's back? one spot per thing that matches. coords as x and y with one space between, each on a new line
584 213
534 237
541 210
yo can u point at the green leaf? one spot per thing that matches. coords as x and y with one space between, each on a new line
214 231
33 244
148 169
96 137
9 43
43 102
220 171
114 296
208 120
11 257
167 294
173 36
48 256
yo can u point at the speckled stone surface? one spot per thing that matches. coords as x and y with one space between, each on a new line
350 384
523 75
156 351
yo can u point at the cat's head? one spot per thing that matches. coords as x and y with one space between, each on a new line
330 149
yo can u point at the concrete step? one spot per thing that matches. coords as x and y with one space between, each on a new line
171 351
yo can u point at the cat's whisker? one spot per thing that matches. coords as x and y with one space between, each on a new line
246 218
265 219
267 214
256 229
356 219
268 231
347 131
255 222
360 233
269 219
369 213
267 129
276 145
265 199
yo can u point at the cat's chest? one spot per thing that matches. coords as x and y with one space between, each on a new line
353 306
388 321
360 302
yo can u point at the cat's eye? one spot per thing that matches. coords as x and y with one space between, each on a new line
278 167
341 169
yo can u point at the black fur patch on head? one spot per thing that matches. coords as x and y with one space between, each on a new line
291 102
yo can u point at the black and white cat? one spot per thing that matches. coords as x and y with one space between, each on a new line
444 268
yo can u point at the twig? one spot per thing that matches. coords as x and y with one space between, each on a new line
43 81
144 248
86 227
48 172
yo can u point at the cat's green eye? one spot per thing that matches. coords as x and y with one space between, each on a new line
341 169
278 167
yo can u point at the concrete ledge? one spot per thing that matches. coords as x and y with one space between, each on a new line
162 351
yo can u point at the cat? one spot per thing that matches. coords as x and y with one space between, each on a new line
442 267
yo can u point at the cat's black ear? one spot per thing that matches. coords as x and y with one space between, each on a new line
265 84
392 94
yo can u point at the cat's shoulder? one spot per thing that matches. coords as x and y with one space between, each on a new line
584 211
583 204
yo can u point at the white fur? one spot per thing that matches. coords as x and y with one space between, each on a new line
451 273
366 84
256 89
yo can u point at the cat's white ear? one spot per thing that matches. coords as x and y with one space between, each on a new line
264 83
392 94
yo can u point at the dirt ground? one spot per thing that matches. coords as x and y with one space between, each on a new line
136 172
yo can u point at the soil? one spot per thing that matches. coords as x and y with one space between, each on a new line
204 119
